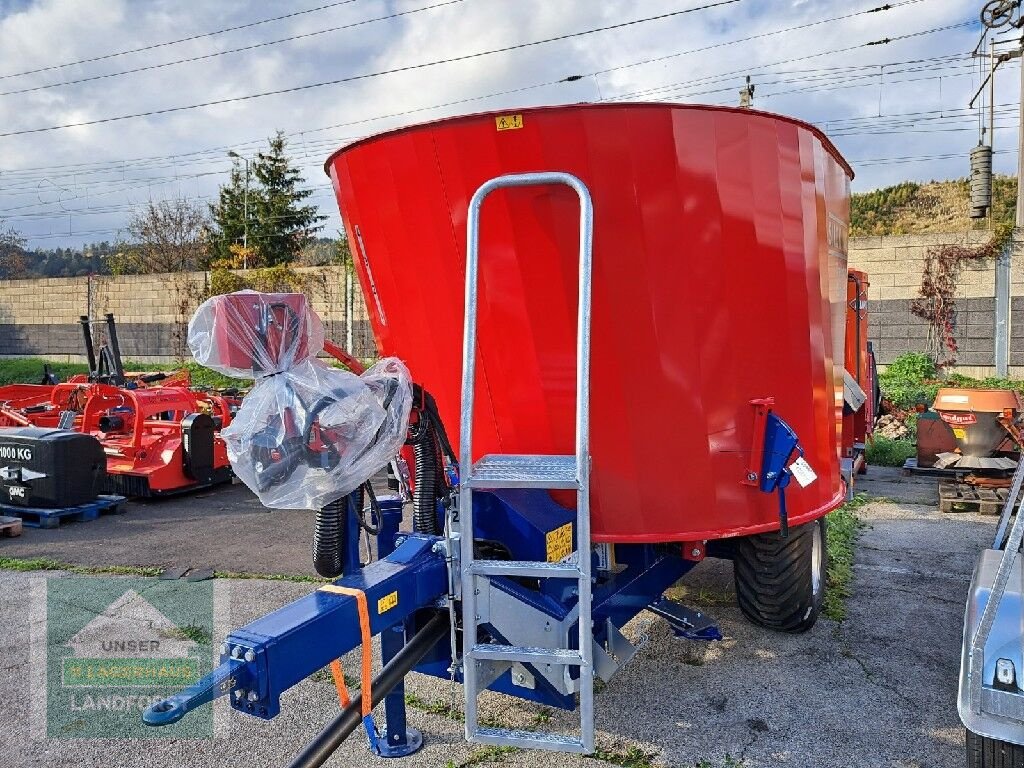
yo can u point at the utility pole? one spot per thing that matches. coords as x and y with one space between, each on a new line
999 14
245 209
1004 262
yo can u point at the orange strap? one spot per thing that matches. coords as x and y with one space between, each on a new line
339 683
364 629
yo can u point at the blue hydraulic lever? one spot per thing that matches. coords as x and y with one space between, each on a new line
780 442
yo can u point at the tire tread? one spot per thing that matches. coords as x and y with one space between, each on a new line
983 752
773 578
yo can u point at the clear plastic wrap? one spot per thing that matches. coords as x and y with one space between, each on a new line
306 433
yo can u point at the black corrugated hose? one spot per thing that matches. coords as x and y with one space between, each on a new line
329 535
424 495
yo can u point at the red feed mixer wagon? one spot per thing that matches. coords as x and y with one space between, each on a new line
719 283
625 326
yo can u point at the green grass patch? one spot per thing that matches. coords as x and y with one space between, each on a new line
25 564
629 757
441 708
844 529
48 564
196 634
485 755
29 370
727 762
886 452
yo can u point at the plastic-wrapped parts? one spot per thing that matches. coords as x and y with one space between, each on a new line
307 433
249 334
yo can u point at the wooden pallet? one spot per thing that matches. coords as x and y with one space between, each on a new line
10 526
39 517
961 497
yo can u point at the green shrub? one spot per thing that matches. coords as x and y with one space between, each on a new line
910 380
886 452
913 379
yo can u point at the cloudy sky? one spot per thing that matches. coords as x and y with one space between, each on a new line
897 110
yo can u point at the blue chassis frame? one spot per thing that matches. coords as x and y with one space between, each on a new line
265 658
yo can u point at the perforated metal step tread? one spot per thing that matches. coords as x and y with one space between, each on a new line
529 739
528 655
527 569
525 471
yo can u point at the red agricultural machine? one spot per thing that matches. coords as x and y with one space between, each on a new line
862 397
631 320
159 435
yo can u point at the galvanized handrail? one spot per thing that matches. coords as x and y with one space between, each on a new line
1004 518
582 456
995 595
583 314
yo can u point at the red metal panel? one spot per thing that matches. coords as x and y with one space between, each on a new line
715 283
855 425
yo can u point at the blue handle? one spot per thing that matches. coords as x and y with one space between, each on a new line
220 682
780 442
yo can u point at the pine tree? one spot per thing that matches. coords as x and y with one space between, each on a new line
228 214
280 226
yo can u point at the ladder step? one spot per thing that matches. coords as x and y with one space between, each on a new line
556 742
525 569
524 471
528 655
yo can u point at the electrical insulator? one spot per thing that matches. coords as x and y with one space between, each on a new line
981 181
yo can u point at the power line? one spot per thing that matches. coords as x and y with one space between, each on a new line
199 153
893 67
176 42
205 56
828 52
886 7
368 75
97 167
824 80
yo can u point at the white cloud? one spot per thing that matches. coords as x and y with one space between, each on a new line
39 34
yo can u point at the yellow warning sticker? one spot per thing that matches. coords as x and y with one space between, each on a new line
387 602
559 543
508 122
959 432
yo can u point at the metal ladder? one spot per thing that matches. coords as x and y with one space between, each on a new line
528 471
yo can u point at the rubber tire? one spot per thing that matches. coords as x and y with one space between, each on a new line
774 584
983 752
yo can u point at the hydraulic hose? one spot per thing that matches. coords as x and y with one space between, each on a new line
324 745
424 496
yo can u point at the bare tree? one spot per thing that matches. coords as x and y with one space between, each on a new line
169 236
13 264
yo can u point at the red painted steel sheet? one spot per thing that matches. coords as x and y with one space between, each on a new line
719 277
855 425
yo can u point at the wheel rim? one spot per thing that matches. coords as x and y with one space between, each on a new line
817 555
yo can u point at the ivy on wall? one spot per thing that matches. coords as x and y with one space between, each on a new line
936 301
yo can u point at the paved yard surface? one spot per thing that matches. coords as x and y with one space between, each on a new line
877 690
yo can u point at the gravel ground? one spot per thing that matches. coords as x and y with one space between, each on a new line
877 690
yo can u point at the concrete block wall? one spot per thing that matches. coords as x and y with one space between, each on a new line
39 318
895 265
